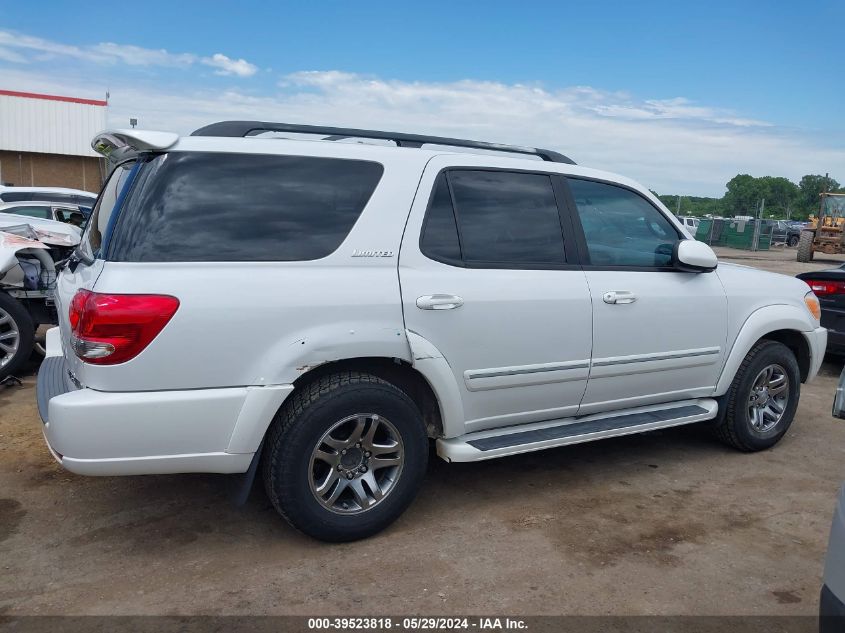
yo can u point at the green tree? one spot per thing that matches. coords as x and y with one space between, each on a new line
810 187
742 196
781 194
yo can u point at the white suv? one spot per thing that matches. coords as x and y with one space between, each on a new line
321 309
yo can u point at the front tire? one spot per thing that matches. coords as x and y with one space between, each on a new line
345 456
762 400
17 335
805 246
793 241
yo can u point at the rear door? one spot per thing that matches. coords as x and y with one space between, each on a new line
658 334
486 278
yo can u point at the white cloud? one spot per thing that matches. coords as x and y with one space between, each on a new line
8 55
672 146
27 44
139 56
20 48
227 66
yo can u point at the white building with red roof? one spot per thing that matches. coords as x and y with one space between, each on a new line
45 140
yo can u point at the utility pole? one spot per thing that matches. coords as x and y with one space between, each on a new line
678 207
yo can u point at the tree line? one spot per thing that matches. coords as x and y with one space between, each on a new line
783 197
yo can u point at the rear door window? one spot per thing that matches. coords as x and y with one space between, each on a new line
507 218
504 220
440 239
209 206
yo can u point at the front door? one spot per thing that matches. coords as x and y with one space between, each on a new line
485 278
658 334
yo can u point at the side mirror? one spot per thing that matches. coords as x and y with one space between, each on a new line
692 256
839 398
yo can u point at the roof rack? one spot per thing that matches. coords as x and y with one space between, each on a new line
248 128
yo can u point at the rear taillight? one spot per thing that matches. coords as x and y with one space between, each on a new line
108 329
823 287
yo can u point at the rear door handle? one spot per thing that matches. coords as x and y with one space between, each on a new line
619 296
439 302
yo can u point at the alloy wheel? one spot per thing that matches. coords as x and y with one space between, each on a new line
768 399
10 338
356 463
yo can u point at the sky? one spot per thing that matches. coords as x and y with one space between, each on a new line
679 95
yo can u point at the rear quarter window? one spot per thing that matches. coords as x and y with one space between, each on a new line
209 206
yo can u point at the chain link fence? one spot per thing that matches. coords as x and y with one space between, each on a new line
749 235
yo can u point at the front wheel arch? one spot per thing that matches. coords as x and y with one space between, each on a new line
787 324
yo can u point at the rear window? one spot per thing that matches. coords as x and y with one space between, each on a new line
32 212
210 206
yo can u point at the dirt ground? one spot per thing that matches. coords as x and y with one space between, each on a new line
669 522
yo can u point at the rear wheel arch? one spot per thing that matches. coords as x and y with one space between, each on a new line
395 371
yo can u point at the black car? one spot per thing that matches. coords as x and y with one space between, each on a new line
783 231
829 286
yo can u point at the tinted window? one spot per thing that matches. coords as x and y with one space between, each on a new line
622 228
20 196
92 239
204 206
507 218
30 211
440 234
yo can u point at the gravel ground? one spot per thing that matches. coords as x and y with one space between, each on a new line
669 522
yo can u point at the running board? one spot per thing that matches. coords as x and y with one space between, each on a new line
537 436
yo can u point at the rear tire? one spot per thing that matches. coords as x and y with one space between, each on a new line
345 456
760 407
17 335
805 246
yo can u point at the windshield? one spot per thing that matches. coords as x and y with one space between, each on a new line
834 206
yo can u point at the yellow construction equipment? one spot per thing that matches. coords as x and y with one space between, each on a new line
825 232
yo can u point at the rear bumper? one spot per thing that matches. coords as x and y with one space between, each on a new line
202 430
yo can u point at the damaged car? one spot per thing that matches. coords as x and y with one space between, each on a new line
31 251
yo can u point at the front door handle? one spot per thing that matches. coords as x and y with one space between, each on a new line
439 302
619 296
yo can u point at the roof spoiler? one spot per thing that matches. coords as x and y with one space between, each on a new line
402 139
119 145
